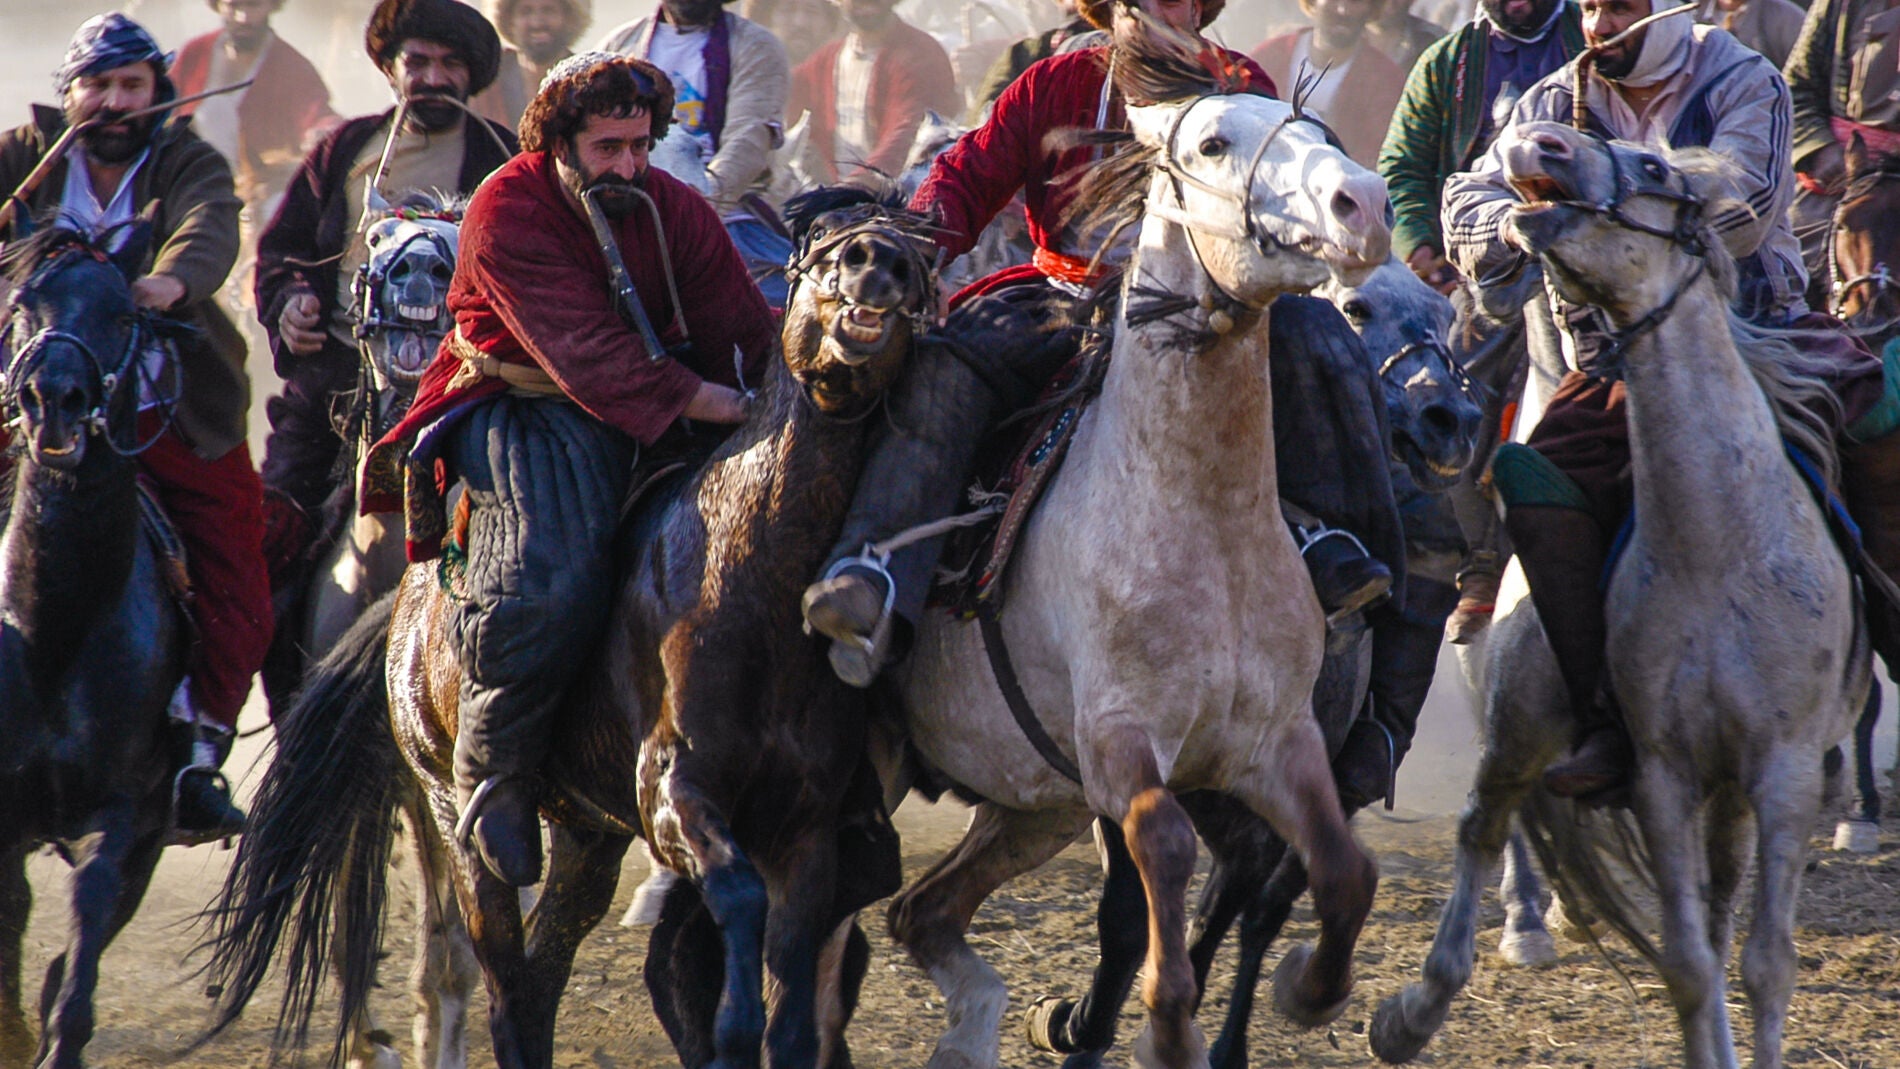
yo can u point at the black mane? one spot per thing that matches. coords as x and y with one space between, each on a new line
22 258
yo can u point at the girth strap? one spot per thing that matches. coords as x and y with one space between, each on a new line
1014 697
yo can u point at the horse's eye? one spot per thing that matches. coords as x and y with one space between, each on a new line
1357 310
1215 147
1653 168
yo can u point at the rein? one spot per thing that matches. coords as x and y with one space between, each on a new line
105 380
1880 276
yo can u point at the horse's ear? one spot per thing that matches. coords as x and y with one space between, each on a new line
1858 158
128 245
1150 123
374 203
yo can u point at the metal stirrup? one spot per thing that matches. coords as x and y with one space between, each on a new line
877 563
466 825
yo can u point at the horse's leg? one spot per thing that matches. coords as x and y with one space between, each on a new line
492 911
1087 1028
842 963
1299 798
1726 821
1125 783
1860 832
1667 809
1259 926
929 918
109 880
16 906
684 973
1526 941
583 870
800 917
1787 800
443 976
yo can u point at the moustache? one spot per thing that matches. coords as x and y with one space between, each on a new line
614 194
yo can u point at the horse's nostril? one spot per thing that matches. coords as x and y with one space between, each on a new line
1345 207
1551 145
1439 418
855 255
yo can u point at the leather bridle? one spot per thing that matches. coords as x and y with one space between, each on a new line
1880 277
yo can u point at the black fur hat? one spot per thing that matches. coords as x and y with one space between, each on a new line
445 22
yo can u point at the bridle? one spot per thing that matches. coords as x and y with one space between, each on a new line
1431 344
106 381
1880 276
815 262
1686 234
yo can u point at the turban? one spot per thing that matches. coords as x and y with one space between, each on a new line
108 42
446 22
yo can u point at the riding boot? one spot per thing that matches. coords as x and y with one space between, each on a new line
1405 641
202 810
867 602
501 819
1346 578
1562 551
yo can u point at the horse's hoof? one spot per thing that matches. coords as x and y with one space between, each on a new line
1294 1004
1857 837
1530 948
1557 919
1391 1040
1144 1055
644 910
1044 1022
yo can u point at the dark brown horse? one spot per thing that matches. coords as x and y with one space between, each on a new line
707 721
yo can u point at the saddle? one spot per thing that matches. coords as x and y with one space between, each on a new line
1018 462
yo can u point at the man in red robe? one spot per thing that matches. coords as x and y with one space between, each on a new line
540 397
917 474
868 91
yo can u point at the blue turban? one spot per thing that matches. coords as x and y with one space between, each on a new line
108 42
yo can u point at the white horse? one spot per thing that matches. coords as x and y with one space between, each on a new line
1734 642
1161 621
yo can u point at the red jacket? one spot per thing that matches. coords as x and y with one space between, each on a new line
276 115
910 76
979 175
531 288
1366 98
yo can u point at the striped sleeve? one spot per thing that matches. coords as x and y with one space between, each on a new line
1478 201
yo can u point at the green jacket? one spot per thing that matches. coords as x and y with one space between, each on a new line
1434 131
186 185
1843 64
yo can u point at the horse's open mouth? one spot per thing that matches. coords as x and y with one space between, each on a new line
861 328
1431 475
420 313
1539 192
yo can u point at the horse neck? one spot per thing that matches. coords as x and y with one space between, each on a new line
1197 422
67 549
1705 451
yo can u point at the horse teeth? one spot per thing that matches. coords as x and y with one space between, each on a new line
416 311
1449 471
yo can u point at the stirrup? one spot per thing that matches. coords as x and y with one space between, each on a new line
877 563
465 824
1320 532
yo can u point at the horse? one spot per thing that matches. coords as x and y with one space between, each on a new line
1161 623
1864 293
1735 646
93 642
714 559
1434 416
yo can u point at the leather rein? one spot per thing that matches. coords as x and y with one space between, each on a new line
1880 277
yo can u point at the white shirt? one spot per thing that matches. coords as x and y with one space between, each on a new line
855 138
1324 96
79 206
682 55
216 119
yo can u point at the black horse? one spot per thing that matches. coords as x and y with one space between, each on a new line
92 643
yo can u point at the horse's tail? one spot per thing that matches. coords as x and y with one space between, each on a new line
1596 860
317 849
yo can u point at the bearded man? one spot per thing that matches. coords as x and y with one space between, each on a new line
541 396
436 54
1683 85
868 92
1354 86
918 469
114 173
730 78
539 34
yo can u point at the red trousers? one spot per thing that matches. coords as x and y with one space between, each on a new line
218 508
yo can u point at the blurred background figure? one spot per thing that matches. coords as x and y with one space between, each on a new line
1767 26
1400 34
802 26
868 93
1019 56
1351 85
536 34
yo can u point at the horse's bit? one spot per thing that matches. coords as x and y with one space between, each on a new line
107 381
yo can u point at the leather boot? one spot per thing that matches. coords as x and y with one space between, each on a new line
1562 551
202 810
1405 641
1346 578
503 820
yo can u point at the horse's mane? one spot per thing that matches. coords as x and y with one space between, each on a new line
1796 384
805 208
1157 64
23 257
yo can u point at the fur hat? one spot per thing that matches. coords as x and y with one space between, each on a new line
594 83
445 22
1099 12
580 14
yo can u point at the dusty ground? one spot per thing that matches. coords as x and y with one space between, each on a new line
1038 932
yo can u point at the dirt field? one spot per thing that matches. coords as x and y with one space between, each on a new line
1039 933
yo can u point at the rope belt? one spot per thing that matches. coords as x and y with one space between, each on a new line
477 365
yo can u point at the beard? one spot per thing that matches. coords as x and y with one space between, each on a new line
1618 63
692 12
614 193
547 51
1339 37
114 147
433 112
868 16
1540 12
246 38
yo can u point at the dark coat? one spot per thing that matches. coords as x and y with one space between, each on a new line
305 240
186 185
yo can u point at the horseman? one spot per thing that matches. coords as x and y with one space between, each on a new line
917 473
113 174
1457 99
730 77
1845 80
542 397
436 54
1683 85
